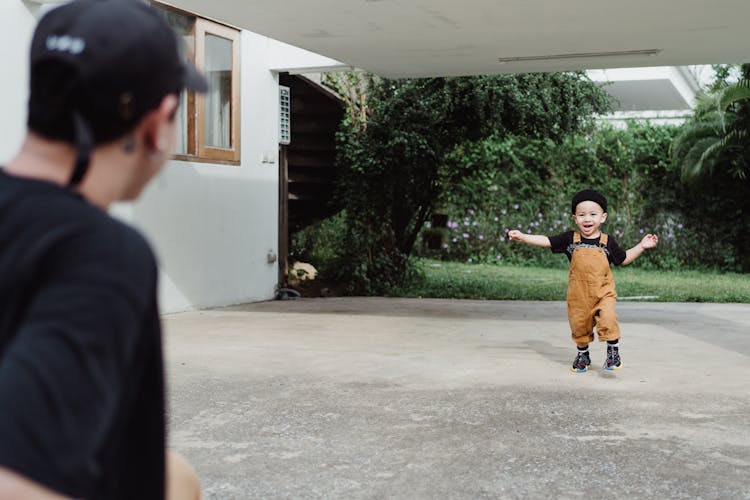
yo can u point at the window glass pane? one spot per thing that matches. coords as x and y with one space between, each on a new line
183 28
218 98
181 122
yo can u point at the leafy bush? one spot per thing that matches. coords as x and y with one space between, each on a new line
395 155
498 153
526 184
319 244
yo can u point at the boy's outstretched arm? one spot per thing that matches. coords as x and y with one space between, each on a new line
648 241
532 239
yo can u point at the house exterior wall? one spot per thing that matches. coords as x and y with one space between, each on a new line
211 226
663 95
17 23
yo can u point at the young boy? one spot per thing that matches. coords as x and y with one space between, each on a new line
591 288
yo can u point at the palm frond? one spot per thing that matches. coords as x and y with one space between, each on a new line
706 103
735 138
732 94
699 159
710 126
728 96
718 134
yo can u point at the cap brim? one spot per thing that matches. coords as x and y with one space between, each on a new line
194 80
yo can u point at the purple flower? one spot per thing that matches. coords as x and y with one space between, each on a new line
465 235
641 231
558 222
528 232
515 206
475 223
455 240
520 226
506 230
496 219
470 211
445 245
468 260
679 226
503 211
502 238
539 215
481 237
499 257
466 223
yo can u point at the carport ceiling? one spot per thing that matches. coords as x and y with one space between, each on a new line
399 38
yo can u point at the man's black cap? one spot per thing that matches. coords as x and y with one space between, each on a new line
589 195
101 65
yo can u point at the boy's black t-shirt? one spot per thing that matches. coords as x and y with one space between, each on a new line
81 374
563 243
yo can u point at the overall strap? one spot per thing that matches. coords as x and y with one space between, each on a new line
576 237
603 240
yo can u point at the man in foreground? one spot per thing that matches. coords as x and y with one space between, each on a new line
81 377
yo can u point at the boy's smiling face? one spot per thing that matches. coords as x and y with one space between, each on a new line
589 217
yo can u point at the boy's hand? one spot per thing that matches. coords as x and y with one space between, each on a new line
515 235
649 241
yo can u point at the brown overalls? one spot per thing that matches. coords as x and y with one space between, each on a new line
591 293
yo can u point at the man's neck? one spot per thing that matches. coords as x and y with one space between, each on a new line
44 160
53 161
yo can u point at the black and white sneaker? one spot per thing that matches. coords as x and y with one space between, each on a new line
613 361
582 362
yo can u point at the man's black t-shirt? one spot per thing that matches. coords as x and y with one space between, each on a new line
81 377
563 243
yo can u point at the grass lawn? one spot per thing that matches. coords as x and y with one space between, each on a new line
485 281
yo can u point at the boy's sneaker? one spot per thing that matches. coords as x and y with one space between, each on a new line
613 359
582 362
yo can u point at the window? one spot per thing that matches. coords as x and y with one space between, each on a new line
209 124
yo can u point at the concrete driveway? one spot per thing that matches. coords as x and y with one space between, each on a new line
410 398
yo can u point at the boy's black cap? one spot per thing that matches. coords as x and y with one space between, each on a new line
101 65
588 195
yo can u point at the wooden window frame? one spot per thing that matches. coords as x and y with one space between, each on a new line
197 151
204 27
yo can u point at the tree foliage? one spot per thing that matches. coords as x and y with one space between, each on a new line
526 184
714 148
717 136
397 157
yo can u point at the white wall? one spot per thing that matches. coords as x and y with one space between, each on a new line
211 226
16 26
647 89
283 57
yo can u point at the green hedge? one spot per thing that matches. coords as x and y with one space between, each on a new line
526 184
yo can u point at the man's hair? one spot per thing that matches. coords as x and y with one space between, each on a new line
51 106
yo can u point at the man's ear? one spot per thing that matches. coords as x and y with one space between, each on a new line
157 125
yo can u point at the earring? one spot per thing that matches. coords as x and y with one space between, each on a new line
157 156
129 144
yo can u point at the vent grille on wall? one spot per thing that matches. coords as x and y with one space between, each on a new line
285 121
